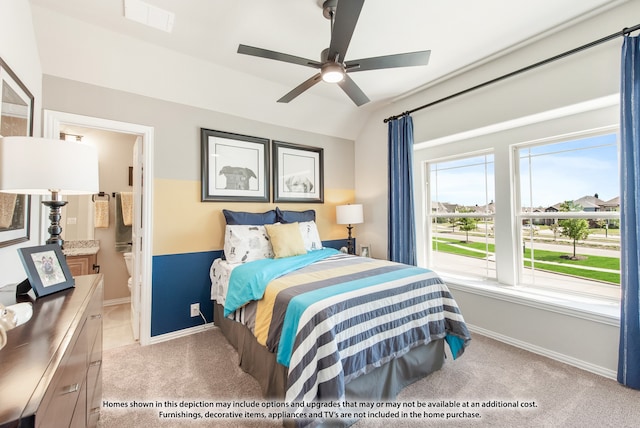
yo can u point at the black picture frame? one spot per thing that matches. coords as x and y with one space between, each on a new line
47 269
235 168
17 120
298 173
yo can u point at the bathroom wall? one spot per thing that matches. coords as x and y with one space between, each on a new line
115 156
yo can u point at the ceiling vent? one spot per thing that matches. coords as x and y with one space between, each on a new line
149 15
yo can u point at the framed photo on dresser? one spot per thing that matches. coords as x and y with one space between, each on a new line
47 269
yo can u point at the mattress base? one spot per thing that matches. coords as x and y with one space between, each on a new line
381 384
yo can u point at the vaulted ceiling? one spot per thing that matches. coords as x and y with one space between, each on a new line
460 34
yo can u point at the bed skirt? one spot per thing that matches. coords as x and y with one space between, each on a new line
381 384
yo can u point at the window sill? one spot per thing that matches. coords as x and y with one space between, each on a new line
600 310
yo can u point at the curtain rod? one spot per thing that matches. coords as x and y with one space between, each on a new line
624 32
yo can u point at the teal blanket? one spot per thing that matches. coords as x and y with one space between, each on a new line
249 281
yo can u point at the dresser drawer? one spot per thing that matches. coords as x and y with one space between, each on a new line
60 400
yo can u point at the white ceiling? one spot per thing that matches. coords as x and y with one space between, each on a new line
458 33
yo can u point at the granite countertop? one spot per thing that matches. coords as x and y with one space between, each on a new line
81 248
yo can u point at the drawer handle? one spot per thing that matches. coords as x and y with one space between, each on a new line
95 363
96 316
70 389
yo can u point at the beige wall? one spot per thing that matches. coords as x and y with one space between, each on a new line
115 154
182 223
19 51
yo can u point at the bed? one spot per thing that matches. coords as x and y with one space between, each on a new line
314 324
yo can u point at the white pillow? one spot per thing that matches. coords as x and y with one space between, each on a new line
310 235
244 243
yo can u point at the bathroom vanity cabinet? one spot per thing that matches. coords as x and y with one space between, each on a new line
51 367
82 257
83 264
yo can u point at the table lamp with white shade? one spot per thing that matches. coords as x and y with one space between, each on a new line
349 214
42 166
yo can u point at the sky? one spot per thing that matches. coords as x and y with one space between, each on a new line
549 174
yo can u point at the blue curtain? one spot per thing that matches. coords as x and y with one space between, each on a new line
402 229
629 352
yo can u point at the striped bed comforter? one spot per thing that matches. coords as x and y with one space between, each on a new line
332 317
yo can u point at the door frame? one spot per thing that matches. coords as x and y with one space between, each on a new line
53 120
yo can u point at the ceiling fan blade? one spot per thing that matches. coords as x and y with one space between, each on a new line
278 56
389 61
301 88
353 91
346 17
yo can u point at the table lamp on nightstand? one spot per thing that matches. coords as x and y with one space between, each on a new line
349 214
41 166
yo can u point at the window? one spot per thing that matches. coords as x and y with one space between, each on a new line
569 212
543 214
462 214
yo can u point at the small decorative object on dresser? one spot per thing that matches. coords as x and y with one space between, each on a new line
47 270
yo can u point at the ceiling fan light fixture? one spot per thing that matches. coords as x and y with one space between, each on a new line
332 72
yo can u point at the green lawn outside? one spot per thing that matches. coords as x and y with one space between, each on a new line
566 267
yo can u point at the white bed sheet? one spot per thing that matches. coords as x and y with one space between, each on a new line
220 272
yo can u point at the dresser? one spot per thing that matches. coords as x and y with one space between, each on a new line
51 367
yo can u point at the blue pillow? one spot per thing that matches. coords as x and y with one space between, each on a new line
251 219
295 216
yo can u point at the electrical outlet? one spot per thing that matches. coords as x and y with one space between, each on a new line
195 309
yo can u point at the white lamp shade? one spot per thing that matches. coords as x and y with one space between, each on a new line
37 166
349 214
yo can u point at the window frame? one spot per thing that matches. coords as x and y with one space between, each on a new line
599 115
520 216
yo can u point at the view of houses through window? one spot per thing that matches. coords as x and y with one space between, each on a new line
566 215
462 215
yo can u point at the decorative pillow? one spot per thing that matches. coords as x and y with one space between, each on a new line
245 243
294 216
310 235
256 219
286 240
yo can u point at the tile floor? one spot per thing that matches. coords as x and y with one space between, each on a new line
116 327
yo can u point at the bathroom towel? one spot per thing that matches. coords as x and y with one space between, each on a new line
123 232
7 207
127 207
101 213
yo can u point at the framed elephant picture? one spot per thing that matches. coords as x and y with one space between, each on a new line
234 167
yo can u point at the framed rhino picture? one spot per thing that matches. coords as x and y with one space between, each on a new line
234 167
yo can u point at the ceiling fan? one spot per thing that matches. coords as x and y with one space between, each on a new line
332 65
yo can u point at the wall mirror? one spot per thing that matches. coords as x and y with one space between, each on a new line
16 119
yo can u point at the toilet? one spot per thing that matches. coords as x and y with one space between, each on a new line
128 260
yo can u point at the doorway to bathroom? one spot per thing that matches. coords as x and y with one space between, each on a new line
139 142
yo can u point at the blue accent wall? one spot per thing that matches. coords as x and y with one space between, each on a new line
178 281
182 279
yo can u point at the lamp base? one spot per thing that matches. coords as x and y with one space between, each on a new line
350 247
55 229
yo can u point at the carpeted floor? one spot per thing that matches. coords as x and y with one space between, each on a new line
201 370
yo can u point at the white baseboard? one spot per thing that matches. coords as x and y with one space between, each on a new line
181 333
584 365
114 302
